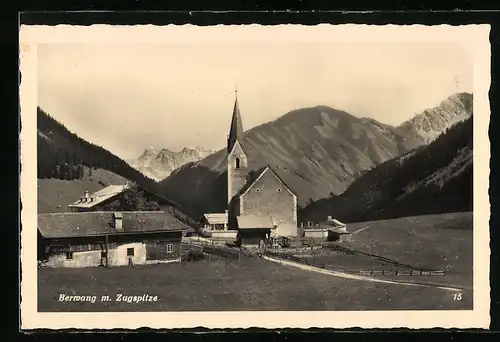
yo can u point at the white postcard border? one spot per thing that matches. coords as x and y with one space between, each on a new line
475 35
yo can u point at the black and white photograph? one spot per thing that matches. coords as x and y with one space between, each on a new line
265 171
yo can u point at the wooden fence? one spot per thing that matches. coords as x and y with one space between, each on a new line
380 258
213 248
371 272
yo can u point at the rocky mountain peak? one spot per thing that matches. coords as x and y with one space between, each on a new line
160 163
432 122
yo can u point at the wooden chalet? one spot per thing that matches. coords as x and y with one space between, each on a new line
111 199
104 238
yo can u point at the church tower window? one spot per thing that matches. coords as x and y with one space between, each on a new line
237 163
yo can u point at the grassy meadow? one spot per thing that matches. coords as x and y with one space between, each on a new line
251 284
437 241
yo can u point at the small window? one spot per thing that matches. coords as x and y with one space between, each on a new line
279 189
237 163
257 190
170 248
130 252
69 255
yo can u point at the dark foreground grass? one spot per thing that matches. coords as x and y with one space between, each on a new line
251 284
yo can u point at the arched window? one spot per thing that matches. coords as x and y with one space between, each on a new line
237 163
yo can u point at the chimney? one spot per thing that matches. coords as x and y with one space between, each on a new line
86 194
302 224
118 221
329 218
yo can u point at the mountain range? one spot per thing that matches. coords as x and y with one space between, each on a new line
431 179
317 151
158 164
328 157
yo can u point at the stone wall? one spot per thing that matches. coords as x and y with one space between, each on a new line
118 256
236 178
143 252
80 259
269 197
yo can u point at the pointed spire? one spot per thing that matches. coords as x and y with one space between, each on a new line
236 130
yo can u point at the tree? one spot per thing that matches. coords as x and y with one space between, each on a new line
81 171
132 198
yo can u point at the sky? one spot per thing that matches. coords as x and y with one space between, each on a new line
127 97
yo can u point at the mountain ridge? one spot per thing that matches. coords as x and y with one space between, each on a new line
403 186
432 122
158 164
317 150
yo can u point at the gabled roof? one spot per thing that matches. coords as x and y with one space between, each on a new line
261 172
110 192
238 143
99 196
335 222
96 223
216 218
248 221
334 225
256 175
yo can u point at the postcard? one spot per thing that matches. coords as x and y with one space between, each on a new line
329 176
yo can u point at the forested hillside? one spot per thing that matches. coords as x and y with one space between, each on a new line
435 178
63 155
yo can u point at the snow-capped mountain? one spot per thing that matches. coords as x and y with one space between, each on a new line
159 163
428 125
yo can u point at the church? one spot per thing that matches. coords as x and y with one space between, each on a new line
259 203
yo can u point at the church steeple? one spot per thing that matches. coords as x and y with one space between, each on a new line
236 130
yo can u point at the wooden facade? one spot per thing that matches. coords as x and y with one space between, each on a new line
159 247
103 239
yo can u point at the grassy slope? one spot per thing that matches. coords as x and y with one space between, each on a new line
435 241
54 195
251 284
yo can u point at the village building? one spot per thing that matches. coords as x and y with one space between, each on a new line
259 203
215 225
329 230
114 198
105 238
